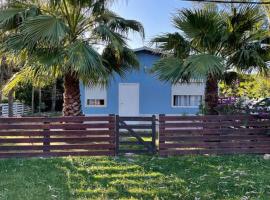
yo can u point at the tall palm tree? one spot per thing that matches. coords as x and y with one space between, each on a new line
208 44
7 69
63 36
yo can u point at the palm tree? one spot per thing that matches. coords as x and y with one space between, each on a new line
7 69
209 44
63 37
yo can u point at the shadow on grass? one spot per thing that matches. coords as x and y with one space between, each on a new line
139 177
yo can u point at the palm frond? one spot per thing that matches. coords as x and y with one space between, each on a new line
86 62
203 28
173 43
29 74
204 64
124 26
120 62
13 43
107 35
252 56
172 69
10 18
44 29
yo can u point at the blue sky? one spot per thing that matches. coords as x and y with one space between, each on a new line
155 15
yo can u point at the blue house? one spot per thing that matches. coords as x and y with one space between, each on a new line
140 93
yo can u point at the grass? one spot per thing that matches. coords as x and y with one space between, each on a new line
137 177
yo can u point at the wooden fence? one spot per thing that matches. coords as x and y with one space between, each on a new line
179 135
91 136
62 136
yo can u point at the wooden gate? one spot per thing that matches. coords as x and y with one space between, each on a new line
135 134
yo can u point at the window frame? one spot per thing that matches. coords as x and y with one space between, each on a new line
172 100
95 106
193 88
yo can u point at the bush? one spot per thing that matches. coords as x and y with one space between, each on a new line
239 107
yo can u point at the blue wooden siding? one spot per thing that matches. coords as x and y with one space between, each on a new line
155 96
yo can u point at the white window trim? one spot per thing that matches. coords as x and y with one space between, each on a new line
96 106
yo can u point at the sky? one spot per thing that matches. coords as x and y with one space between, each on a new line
155 15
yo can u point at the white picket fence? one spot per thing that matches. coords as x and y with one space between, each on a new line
19 109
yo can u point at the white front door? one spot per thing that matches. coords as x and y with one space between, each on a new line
129 99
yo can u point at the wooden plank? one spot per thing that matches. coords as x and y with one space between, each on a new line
135 118
215 124
135 126
56 133
133 143
117 134
216 151
54 119
127 134
57 147
69 140
209 117
215 145
154 133
57 154
225 131
161 127
135 151
55 126
214 138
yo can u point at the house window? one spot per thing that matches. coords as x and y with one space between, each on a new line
187 94
96 102
95 96
187 100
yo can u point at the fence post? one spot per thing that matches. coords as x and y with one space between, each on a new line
113 129
117 135
161 130
46 138
153 133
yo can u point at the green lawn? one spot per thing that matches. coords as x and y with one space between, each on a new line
139 177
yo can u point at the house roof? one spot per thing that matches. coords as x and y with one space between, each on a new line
145 48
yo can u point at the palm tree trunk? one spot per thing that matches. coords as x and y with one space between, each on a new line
211 95
33 100
1 86
2 71
10 103
54 96
39 100
72 96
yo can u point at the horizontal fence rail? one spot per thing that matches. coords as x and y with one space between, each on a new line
180 135
61 136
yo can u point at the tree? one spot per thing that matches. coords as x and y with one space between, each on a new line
63 37
7 69
209 44
248 86
37 79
